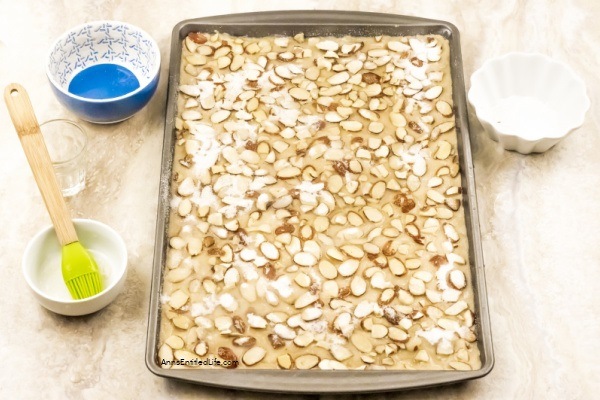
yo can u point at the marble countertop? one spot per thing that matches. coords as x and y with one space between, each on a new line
539 214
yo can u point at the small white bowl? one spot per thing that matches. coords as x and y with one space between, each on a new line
528 102
43 273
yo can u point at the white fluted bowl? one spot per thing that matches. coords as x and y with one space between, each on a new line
528 102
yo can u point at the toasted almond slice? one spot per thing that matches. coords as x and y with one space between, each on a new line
348 267
351 126
285 361
368 114
397 334
312 73
397 46
327 45
304 339
220 116
433 92
373 90
340 352
178 299
362 342
339 78
332 365
443 151
269 250
457 279
451 233
435 196
334 117
354 66
289 172
254 355
456 308
178 274
444 108
197 59
223 62
286 56
305 259
327 269
175 342
353 251
303 280
307 361
445 126
460 366
453 204
416 287
377 53
299 93
378 190
335 254
376 127
398 120
379 331
387 296
372 214
311 313
358 286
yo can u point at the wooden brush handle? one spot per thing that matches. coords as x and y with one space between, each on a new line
25 122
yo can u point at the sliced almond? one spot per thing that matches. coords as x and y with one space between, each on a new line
306 361
433 92
348 267
456 308
378 190
443 151
289 172
362 342
416 287
220 116
340 352
353 251
358 286
269 250
254 355
376 127
339 78
372 214
397 334
285 361
379 331
435 196
351 126
299 93
354 66
444 108
305 259
457 279
312 73
397 46
327 45
305 300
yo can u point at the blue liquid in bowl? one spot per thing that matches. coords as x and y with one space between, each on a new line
103 81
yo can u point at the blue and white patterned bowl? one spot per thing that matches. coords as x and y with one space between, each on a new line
104 42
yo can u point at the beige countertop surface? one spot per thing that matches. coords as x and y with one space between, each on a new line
540 217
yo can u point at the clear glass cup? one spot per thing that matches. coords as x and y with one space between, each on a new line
66 142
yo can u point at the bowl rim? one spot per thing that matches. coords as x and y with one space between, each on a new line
474 100
27 254
155 71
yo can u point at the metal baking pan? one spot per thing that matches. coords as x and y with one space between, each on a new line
322 23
